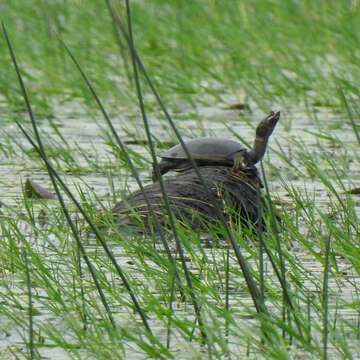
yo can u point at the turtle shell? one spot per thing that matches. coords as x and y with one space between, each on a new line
206 149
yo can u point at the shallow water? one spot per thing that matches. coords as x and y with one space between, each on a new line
296 131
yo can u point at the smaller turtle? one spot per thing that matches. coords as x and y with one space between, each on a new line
218 151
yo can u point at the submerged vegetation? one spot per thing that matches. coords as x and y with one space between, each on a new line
72 290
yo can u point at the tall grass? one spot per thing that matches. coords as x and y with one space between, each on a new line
275 52
221 52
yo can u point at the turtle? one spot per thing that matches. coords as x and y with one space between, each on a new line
218 151
231 179
236 193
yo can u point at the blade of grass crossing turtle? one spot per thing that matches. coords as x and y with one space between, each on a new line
153 154
128 161
260 307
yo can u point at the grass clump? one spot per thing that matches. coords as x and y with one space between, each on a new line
98 296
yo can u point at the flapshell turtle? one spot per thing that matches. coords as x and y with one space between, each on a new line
207 151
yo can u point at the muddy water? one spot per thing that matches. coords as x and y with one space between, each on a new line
296 134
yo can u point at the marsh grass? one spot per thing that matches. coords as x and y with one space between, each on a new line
66 296
224 49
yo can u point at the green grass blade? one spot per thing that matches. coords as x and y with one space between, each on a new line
54 175
30 311
259 305
163 190
325 299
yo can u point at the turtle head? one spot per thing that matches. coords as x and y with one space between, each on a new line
263 132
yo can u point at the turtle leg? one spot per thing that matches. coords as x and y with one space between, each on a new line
263 132
166 165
